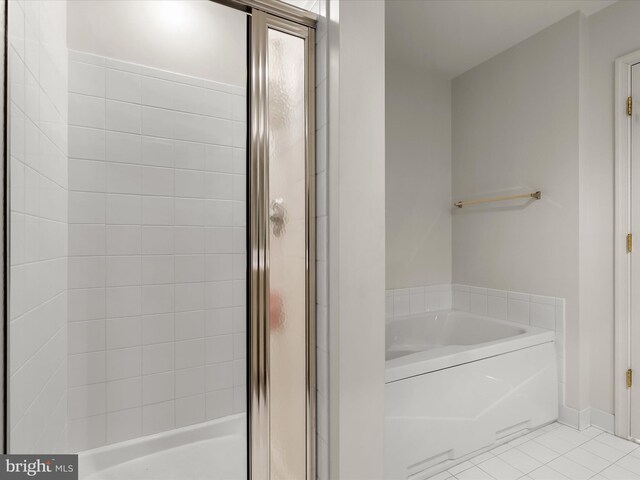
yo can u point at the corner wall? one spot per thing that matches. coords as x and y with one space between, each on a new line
417 177
579 192
515 130
356 202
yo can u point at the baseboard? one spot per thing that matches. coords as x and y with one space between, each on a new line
581 419
569 416
603 420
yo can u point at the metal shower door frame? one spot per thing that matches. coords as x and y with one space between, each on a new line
259 411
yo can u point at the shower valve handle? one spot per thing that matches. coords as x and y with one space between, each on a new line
277 216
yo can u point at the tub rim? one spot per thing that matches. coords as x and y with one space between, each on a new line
425 362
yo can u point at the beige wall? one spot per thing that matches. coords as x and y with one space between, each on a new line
418 177
189 37
515 129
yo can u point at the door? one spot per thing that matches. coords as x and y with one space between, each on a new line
634 350
283 277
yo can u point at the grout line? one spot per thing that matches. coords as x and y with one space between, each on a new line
79 56
564 455
142 104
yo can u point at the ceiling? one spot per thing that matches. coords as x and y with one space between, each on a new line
452 36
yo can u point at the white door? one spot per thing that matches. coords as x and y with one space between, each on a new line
634 349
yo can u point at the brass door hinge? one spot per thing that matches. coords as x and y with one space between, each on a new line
629 378
629 243
629 105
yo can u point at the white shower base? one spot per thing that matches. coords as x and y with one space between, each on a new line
214 450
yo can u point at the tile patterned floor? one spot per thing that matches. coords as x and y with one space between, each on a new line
555 452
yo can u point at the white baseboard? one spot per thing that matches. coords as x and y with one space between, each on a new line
581 419
603 420
569 416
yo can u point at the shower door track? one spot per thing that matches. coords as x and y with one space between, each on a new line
276 8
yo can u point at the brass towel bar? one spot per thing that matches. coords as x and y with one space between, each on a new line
536 195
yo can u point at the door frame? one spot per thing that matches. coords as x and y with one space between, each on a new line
622 259
259 227
287 18
265 14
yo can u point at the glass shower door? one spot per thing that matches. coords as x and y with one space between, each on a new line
287 253
283 187
127 324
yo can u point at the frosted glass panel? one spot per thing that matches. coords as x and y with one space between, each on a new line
286 89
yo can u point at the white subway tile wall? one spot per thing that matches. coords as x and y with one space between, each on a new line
536 310
157 248
409 301
38 257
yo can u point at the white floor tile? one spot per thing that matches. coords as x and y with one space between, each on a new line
501 449
546 473
570 469
571 435
534 434
481 458
555 443
602 450
588 459
460 468
617 443
591 432
520 460
551 426
474 473
557 452
538 452
500 470
518 441
630 463
615 472
441 476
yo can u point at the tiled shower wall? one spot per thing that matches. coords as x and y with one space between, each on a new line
38 168
157 250
411 301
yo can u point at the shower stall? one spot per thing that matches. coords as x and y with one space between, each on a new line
160 212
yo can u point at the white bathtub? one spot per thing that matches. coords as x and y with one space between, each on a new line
458 384
215 450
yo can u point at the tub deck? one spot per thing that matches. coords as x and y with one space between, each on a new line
471 338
